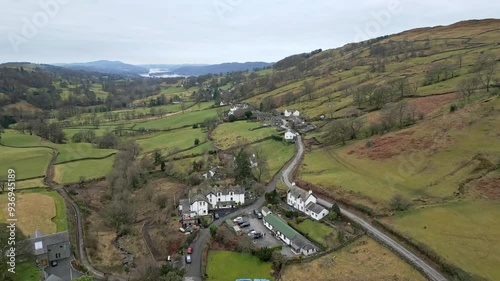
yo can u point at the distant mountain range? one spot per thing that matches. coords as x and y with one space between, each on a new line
105 66
162 70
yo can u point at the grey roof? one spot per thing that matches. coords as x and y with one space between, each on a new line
48 240
316 208
298 192
185 206
53 278
300 242
225 190
266 210
198 197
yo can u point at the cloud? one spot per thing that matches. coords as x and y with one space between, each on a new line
209 31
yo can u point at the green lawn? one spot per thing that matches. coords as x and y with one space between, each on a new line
277 155
197 150
317 231
180 139
228 135
26 272
229 266
90 169
28 162
463 233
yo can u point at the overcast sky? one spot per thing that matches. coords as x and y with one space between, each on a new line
209 31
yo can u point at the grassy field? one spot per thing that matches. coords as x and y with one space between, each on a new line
30 184
276 154
228 135
224 265
179 120
425 161
207 146
71 172
27 272
317 231
362 260
178 139
67 152
28 162
464 233
48 217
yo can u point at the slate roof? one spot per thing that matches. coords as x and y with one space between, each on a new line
48 240
281 226
298 192
300 242
316 208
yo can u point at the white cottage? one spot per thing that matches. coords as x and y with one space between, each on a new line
291 112
306 202
290 136
224 198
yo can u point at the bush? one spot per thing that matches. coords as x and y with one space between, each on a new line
213 230
400 203
232 118
369 143
453 108
264 253
196 142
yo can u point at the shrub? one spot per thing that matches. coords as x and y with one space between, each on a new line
400 203
196 142
369 143
213 230
453 108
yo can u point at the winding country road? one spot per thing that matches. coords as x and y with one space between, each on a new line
430 272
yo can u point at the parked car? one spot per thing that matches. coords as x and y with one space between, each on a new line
251 230
190 228
53 263
259 215
238 220
190 250
216 216
245 224
257 235
188 258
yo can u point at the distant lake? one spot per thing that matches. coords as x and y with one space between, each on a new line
161 73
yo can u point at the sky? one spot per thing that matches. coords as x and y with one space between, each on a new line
209 31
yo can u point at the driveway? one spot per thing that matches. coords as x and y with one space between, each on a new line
63 270
269 239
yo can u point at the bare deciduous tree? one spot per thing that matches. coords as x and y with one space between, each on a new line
468 87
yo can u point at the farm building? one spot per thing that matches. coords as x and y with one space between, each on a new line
298 243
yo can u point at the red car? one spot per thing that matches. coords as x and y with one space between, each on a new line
190 250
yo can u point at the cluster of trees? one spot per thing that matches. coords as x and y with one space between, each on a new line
128 173
166 272
40 127
23 251
377 96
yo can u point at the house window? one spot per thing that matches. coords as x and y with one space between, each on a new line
219 200
231 198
